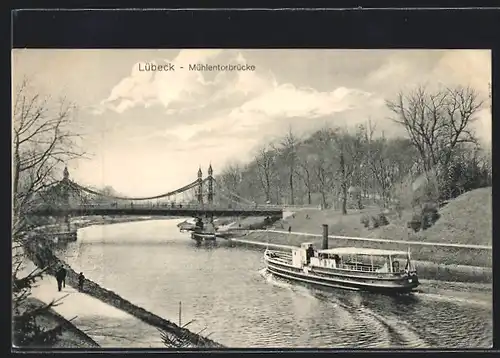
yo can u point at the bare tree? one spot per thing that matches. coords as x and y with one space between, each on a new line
367 180
231 178
351 152
322 164
266 159
305 160
42 139
288 152
383 168
437 121
250 186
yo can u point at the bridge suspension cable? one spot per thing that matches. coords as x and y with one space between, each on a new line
177 191
222 189
232 194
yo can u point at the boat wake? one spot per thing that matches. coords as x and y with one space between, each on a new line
384 331
270 278
452 299
400 333
279 282
396 332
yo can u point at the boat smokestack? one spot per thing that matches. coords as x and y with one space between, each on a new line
324 245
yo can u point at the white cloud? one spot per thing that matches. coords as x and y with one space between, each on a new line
145 88
278 103
452 67
241 101
288 101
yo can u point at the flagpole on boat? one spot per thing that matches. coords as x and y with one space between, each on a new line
409 260
267 244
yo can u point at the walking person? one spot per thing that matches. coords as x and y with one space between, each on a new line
59 283
61 278
81 280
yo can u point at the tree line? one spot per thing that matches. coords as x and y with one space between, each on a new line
336 167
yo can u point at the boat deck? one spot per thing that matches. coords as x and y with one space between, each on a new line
286 258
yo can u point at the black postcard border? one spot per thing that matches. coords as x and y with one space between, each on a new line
258 28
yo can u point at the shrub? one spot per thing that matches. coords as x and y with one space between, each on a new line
382 220
365 220
379 220
415 223
399 209
429 215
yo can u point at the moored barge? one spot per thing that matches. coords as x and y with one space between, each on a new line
203 232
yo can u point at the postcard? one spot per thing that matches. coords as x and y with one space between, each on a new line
251 198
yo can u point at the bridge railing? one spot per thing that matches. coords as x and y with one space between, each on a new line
166 206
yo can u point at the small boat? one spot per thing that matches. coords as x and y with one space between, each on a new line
348 268
204 232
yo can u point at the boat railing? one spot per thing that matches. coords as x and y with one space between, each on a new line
359 267
368 268
279 256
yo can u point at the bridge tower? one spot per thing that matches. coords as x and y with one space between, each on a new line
65 196
200 187
210 185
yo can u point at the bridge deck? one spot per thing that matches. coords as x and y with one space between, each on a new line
190 211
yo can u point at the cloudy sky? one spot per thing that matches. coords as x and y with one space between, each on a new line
147 132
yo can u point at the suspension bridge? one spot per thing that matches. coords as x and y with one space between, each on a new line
202 198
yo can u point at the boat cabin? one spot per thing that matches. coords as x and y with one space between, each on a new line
353 259
300 256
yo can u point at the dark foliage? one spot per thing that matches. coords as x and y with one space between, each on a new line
379 220
415 223
429 216
467 170
26 330
382 219
365 220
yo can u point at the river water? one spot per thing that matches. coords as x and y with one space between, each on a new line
226 292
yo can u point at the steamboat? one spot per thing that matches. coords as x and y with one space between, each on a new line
348 268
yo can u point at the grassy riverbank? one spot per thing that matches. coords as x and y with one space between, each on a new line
439 255
466 219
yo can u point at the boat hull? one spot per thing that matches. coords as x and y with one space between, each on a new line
340 279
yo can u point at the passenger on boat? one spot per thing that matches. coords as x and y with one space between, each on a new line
309 254
395 266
